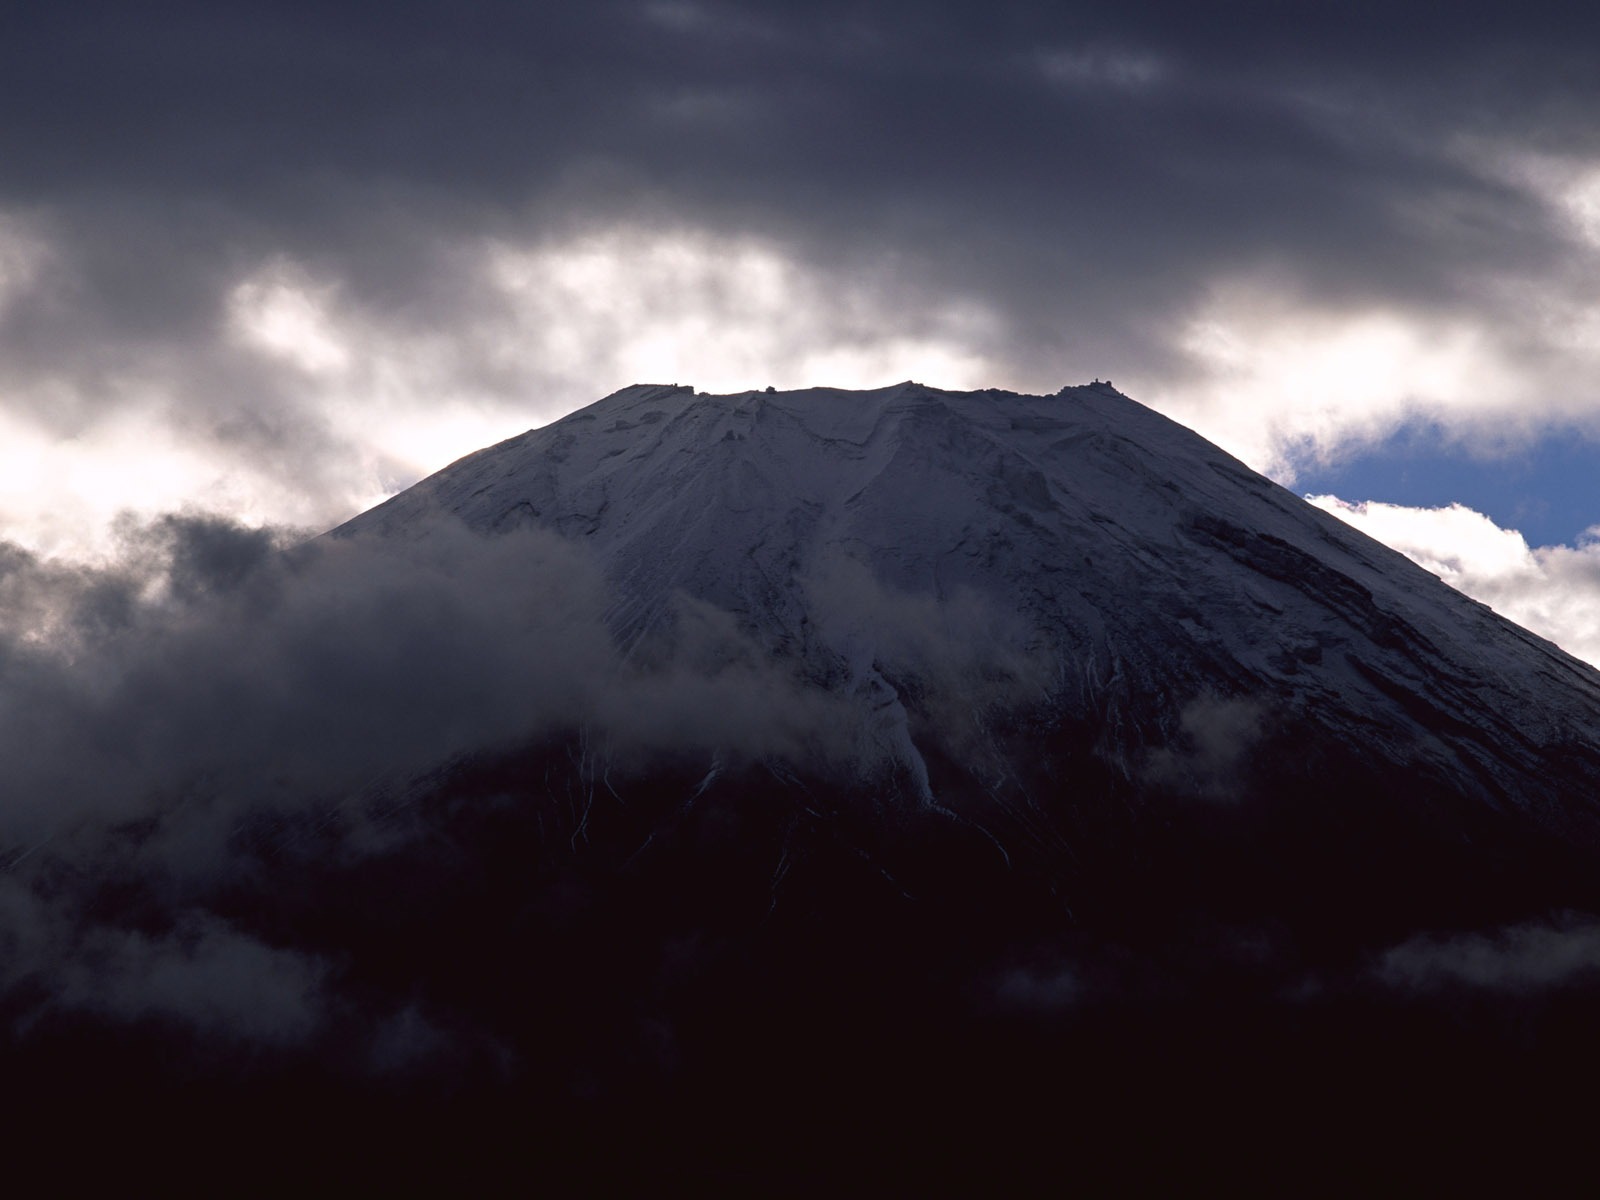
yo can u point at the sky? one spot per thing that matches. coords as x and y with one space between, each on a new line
275 261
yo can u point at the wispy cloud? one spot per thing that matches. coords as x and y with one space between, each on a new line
1521 959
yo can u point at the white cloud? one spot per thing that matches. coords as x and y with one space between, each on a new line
1568 184
725 313
1552 590
282 312
1278 383
61 497
390 393
1281 377
550 326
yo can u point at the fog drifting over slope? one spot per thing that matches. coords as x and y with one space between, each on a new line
155 710
219 710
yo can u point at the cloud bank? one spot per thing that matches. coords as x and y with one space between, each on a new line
283 259
220 712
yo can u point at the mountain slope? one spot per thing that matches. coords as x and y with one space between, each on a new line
1124 565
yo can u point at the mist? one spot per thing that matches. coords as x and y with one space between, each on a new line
214 693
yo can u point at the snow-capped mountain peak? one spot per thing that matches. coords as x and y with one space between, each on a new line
1104 555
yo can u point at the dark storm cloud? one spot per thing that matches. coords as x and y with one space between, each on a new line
1084 170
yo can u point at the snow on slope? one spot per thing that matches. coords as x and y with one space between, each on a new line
1091 547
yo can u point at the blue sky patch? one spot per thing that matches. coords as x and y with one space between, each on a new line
1549 490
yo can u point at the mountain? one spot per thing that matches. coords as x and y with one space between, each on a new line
1136 578
1162 790
913 787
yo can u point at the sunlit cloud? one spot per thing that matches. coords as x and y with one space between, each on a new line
1283 378
540 328
725 314
555 325
1276 386
285 314
1568 185
1581 198
62 497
